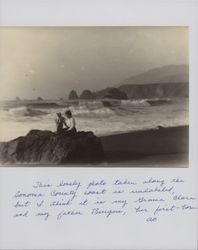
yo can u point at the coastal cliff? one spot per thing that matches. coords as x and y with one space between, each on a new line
156 90
146 91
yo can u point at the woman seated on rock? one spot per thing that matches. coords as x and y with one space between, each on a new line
70 122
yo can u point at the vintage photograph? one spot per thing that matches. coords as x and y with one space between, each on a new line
94 96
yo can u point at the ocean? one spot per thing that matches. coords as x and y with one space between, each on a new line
103 117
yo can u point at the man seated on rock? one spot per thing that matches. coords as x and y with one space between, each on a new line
71 123
60 122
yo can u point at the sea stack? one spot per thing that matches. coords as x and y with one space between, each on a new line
73 95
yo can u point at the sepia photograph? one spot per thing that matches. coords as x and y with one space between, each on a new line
94 96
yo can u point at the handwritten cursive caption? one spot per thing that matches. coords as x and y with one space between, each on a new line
149 199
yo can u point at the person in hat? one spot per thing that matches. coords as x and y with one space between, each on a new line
71 123
60 122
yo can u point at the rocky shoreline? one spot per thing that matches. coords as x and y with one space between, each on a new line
45 147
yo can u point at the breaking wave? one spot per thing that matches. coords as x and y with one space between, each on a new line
84 108
24 111
118 116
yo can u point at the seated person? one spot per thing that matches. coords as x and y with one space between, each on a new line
70 122
60 121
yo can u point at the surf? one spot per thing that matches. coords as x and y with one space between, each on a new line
25 111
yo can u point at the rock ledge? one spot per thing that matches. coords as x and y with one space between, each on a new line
45 147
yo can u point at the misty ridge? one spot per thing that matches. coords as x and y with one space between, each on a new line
167 81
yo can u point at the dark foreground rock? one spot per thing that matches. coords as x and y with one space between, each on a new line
45 147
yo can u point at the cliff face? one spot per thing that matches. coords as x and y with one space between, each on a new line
156 90
146 91
45 147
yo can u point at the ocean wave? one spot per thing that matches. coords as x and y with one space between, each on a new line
91 108
24 111
140 103
85 110
93 116
159 101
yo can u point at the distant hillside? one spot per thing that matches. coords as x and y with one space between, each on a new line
167 81
166 74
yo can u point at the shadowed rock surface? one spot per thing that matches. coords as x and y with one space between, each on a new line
45 147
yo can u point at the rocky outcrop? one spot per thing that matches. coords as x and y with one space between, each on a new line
87 95
73 95
39 98
45 147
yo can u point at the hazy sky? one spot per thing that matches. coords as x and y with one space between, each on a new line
49 62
